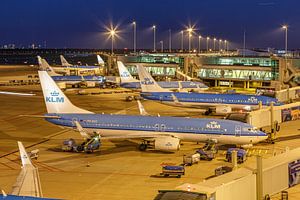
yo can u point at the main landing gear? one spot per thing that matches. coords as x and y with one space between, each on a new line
145 145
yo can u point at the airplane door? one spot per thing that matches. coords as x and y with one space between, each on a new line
238 130
156 127
73 121
162 127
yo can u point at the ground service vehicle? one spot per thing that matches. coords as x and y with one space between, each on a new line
169 170
241 155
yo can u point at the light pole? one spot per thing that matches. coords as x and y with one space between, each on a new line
220 43
207 40
181 41
134 36
154 37
215 44
285 27
170 40
190 36
225 46
162 46
199 43
112 35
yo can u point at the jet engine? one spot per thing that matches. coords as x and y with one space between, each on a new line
223 109
167 144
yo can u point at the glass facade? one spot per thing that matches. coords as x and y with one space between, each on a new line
155 58
156 71
236 74
241 61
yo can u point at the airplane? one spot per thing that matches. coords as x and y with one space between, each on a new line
68 79
159 133
28 185
127 81
82 68
211 102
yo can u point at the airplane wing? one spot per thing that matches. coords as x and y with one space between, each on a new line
142 109
82 132
17 93
28 181
137 136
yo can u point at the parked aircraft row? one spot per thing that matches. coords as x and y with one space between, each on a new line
160 133
217 102
212 102
66 67
73 80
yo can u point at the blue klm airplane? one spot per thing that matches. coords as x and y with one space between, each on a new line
160 133
127 81
68 79
212 102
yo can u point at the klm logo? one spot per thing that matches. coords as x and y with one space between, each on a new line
125 75
147 81
213 125
253 99
54 98
169 144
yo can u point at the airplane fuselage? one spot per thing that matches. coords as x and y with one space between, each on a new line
168 85
186 129
206 100
78 79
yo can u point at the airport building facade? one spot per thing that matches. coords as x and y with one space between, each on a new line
217 70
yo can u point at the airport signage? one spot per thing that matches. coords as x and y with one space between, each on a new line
294 173
290 114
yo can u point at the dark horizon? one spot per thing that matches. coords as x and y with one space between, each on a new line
81 24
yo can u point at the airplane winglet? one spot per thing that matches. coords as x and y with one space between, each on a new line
3 193
82 132
175 99
23 154
142 109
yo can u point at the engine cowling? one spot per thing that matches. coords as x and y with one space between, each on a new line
167 144
223 109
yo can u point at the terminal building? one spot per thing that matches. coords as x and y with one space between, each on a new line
221 70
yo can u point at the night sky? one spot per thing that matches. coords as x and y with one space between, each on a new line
80 23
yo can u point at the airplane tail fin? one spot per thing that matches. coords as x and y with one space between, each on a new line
64 62
100 60
148 84
55 99
24 156
43 64
124 74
